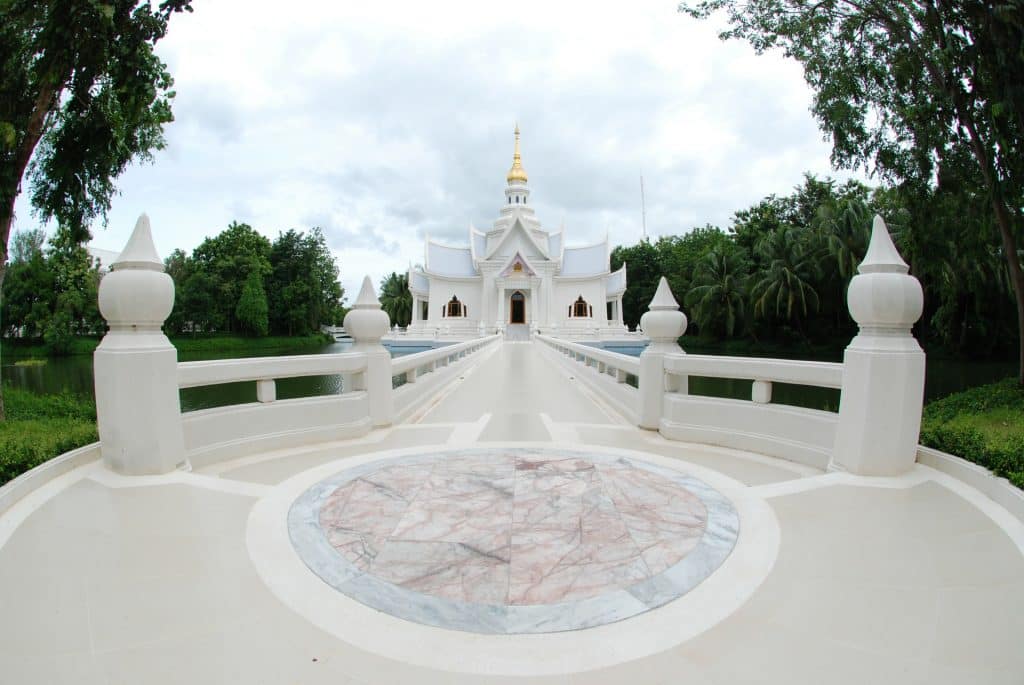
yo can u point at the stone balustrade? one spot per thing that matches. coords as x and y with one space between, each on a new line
138 379
881 380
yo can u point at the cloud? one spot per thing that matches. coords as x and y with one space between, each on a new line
382 123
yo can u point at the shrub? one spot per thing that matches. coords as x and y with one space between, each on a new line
41 427
942 428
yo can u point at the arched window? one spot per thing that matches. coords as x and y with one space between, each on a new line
510 199
517 199
454 307
580 307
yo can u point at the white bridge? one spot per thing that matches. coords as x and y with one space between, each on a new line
545 510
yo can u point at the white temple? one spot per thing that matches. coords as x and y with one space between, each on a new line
517 277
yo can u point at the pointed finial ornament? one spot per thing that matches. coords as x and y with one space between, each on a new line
884 299
517 172
663 323
366 322
137 296
367 298
139 252
663 299
882 256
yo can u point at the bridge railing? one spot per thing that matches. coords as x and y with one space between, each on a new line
417 375
756 424
610 374
880 382
269 423
138 379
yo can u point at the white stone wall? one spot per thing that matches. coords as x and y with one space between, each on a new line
469 294
568 291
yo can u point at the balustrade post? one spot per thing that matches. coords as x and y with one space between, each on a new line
266 390
367 324
135 366
664 324
883 367
761 392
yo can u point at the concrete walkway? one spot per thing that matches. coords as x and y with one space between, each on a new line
171 579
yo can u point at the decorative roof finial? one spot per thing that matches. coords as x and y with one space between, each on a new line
517 172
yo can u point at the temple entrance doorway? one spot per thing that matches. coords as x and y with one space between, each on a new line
517 308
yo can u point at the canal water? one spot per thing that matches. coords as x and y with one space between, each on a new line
74 374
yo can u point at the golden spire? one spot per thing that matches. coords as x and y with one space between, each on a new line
517 172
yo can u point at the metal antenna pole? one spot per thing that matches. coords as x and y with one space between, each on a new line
643 207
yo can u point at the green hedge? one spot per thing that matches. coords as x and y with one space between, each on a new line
40 427
214 343
963 424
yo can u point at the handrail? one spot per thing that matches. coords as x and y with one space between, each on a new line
218 371
400 365
614 360
821 374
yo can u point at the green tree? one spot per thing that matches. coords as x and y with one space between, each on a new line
902 86
719 295
643 272
251 312
304 288
29 291
396 299
82 94
201 310
227 260
784 288
178 266
76 283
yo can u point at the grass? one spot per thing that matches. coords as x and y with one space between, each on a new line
983 424
40 427
34 349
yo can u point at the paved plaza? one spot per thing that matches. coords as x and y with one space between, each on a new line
515 529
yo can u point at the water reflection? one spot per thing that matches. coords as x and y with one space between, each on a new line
74 375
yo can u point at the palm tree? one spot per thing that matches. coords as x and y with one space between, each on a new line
395 298
719 295
785 287
848 233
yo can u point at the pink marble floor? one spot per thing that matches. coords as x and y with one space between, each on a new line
514 529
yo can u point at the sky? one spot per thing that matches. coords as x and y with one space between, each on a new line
384 122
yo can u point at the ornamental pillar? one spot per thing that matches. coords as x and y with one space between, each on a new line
367 323
883 367
135 366
663 323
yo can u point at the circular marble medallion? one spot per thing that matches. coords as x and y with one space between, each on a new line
512 540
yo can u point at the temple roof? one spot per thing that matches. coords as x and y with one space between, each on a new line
615 282
454 262
585 261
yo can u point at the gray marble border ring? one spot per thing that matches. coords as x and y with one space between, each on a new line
312 546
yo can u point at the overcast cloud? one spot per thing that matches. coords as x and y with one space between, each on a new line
384 122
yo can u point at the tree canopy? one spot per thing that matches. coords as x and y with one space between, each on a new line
914 90
82 94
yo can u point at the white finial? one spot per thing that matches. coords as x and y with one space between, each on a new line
367 298
663 323
663 298
884 299
137 296
139 252
366 322
882 256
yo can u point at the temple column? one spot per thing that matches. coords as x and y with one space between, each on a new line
500 320
547 287
485 300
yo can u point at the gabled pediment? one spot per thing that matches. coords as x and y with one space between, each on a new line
517 266
517 232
